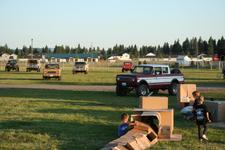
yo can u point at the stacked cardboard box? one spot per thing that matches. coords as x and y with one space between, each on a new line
153 121
217 110
184 94
156 107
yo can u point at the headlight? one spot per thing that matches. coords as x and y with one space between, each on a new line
118 78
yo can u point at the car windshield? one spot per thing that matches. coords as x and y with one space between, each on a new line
52 66
32 61
12 61
127 63
143 69
80 63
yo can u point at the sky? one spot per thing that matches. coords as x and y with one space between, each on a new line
105 23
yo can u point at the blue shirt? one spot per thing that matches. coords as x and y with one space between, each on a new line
122 129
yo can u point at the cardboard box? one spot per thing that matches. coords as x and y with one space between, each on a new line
153 103
184 94
133 145
217 110
143 142
165 132
119 147
167 119
173 137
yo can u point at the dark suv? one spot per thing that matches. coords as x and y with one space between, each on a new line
12 65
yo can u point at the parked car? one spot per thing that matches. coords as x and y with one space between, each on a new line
80 67
12 65
148 79
52 70
127 66
33 64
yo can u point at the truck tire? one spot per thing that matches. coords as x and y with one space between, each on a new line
173 88
143 90
121 91
122 70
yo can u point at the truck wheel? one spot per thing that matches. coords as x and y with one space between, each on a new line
122 70
85 72
38 70
143 90
120 91
173 88
17 69
59 78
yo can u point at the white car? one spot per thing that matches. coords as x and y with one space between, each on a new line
80 67
33 64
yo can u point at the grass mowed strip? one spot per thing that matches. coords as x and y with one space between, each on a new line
50 119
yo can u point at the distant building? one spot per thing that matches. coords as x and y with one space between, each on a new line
124 57
183 60
72 57
6 57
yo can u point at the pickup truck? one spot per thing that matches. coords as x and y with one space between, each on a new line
127 66
52 70
148 79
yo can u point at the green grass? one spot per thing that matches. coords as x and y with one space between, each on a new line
103 75
49 119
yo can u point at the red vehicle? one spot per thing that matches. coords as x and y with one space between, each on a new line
148 79
215 57
127 66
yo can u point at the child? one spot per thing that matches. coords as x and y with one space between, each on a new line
196 95
202 117
124 126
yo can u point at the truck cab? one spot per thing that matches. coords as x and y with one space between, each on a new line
148 79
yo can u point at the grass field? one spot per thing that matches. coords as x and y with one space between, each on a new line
48 119
103 75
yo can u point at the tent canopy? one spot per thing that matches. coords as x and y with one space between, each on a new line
150 55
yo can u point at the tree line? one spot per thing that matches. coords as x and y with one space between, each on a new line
191 47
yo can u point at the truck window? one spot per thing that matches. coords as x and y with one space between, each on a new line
147 70
165 70
158 70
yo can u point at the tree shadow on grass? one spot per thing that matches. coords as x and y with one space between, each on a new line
21 79
71 135
88 98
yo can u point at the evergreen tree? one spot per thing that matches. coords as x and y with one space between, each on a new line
166 49
186 47
210 46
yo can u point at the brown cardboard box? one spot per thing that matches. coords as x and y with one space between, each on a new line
184 94
217 110
133 145
119 147
173 137
142 126
165 132
153 103
143 142
167 120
